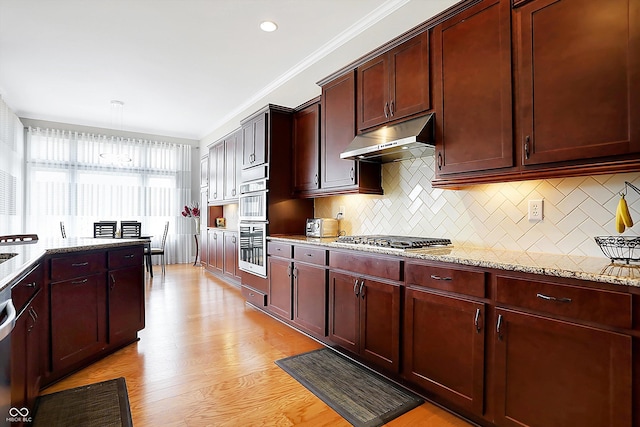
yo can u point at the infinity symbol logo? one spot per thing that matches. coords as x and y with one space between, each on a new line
23 412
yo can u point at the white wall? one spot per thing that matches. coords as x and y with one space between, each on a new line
490 215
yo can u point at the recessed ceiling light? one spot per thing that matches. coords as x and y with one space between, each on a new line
268 26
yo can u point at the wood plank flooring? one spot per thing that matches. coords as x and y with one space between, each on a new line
205 358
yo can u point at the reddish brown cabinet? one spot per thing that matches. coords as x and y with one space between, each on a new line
216 172
215 250
338 128
472 89
306 147
395 84
555 373
578 73
125 295
444 346
232 166
280 299
364 318
28 339
231 255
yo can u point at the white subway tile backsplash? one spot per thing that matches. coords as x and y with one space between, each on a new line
491 215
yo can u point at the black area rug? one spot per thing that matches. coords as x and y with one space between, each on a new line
103 404
362 397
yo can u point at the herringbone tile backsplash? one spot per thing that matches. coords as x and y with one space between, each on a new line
491 215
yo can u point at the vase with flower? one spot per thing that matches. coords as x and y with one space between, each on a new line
193 211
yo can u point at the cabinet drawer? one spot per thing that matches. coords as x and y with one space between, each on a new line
254 297
311 255
26 288
83 264
279 249
446 279
126 257
386 268
592 305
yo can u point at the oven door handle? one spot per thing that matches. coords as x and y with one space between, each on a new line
10 322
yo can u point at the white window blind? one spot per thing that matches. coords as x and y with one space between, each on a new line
11 171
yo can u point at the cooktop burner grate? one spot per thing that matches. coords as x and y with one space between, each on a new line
395 242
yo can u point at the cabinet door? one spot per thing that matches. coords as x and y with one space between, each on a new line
553 373
310 298
472 89
126 302
204 172
19 354
373 92
306 149
338 130
216 172
444 346
280 287
231 166
409 78
230 255
78 319
344 311
254 142
219 242
579 78
212 248
380 324
37 351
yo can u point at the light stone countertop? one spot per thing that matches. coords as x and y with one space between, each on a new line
27 254
596 269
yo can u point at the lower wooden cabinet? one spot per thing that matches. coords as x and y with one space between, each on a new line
280 299
230 265
444 346
554 373
126 303
310 298
78 320
220 254
364 318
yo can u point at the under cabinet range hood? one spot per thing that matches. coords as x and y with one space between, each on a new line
410 139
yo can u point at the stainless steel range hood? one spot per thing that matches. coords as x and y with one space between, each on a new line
410 139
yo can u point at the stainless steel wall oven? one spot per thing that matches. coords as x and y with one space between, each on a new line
252 248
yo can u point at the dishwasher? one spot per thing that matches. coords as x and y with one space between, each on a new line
7 322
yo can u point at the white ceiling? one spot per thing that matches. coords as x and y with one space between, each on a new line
183 68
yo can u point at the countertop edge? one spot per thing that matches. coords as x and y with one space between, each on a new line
488 258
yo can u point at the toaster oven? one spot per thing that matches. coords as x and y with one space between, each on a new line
322 227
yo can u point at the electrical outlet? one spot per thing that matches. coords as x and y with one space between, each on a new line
535 210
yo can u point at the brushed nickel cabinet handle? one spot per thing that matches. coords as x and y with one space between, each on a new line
80 282
386 110
476 320
527 139
80 264
355 287
436 277
440 160
499 327
391 108
362 288
31 285
550 298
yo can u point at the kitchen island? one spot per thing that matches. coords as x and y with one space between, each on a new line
76 300
499 337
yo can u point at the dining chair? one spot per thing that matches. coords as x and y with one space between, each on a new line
62 230
160 250
130 229
105 229
12 238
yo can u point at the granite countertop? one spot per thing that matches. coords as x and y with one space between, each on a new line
597 269
28 253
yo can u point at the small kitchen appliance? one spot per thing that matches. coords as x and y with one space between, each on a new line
322 227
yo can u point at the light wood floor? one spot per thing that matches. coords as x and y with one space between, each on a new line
207 359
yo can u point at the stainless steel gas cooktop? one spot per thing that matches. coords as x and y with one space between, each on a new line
395 242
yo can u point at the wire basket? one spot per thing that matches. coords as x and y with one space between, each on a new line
619 248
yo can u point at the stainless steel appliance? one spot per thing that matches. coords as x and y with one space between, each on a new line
322 227
252 256
7 323
395 242
252 201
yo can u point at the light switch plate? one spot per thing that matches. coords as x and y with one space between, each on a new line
535 210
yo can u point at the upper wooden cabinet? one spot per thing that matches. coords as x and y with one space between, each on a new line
204 171
472 89
224 169
338 128
395 84
578 74
306 147
254 149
